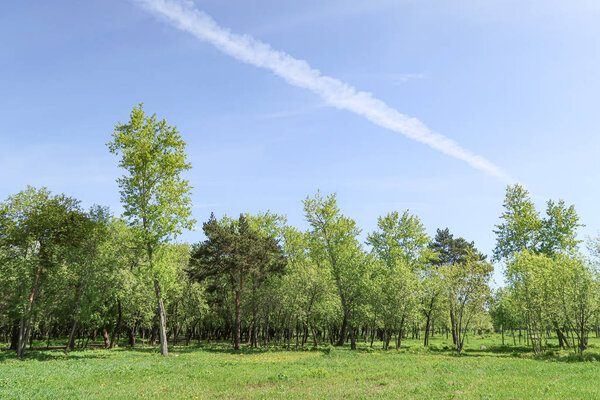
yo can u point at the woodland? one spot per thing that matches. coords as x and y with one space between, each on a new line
74 278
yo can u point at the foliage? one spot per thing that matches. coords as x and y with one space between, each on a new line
523 229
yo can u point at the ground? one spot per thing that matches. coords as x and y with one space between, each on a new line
209 371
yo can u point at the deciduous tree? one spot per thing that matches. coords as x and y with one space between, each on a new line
155 197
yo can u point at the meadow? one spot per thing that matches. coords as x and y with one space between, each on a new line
209 371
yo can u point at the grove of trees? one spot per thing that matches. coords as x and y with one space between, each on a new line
86 277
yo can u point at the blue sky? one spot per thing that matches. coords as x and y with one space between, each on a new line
514 82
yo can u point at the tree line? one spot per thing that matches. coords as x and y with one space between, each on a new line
86 276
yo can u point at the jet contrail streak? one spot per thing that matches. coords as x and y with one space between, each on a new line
186 17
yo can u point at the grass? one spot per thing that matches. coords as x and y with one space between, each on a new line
215 371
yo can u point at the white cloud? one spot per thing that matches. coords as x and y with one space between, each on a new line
185 16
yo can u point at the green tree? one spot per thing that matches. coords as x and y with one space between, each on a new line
334 245
503 312
468 292
520 224
559 229
237 252
40 231
155 197
577 294
462 269
400 238
523 229
84 260
401 244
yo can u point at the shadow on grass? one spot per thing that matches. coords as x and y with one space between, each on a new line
551 354
49 355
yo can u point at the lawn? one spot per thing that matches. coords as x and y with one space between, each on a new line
215 371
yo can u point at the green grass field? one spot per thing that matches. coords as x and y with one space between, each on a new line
213 371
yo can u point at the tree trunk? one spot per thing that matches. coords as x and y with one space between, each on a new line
352 339
562 340
106 337
343 333
162 318
78 294
453 327
237 335
426 340
71 340
25 322
14 337
132 335
117 326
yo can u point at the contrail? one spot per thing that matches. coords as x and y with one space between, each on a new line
186 17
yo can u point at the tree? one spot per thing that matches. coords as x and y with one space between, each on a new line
503 313
431 289
237 252
521 224
84 262
155 197
523 229
554 293
334 244
467 291
559 229
306 291
401 244
400 238
577 293
464 273
39 231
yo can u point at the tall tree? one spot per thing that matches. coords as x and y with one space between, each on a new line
523 229
334 244
40 230
236 251
468 291
462 269
155 197
401 244
84 261
400 238
558 234
520 224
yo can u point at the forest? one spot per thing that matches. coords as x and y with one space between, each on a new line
77 278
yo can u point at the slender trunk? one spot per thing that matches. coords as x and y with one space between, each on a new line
75 319
14 337
352 339
132 335
562 340
71 340
162 316
162 328
453 327
25 322
314 334
117 326
343 333
106 337
237 336
426 341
